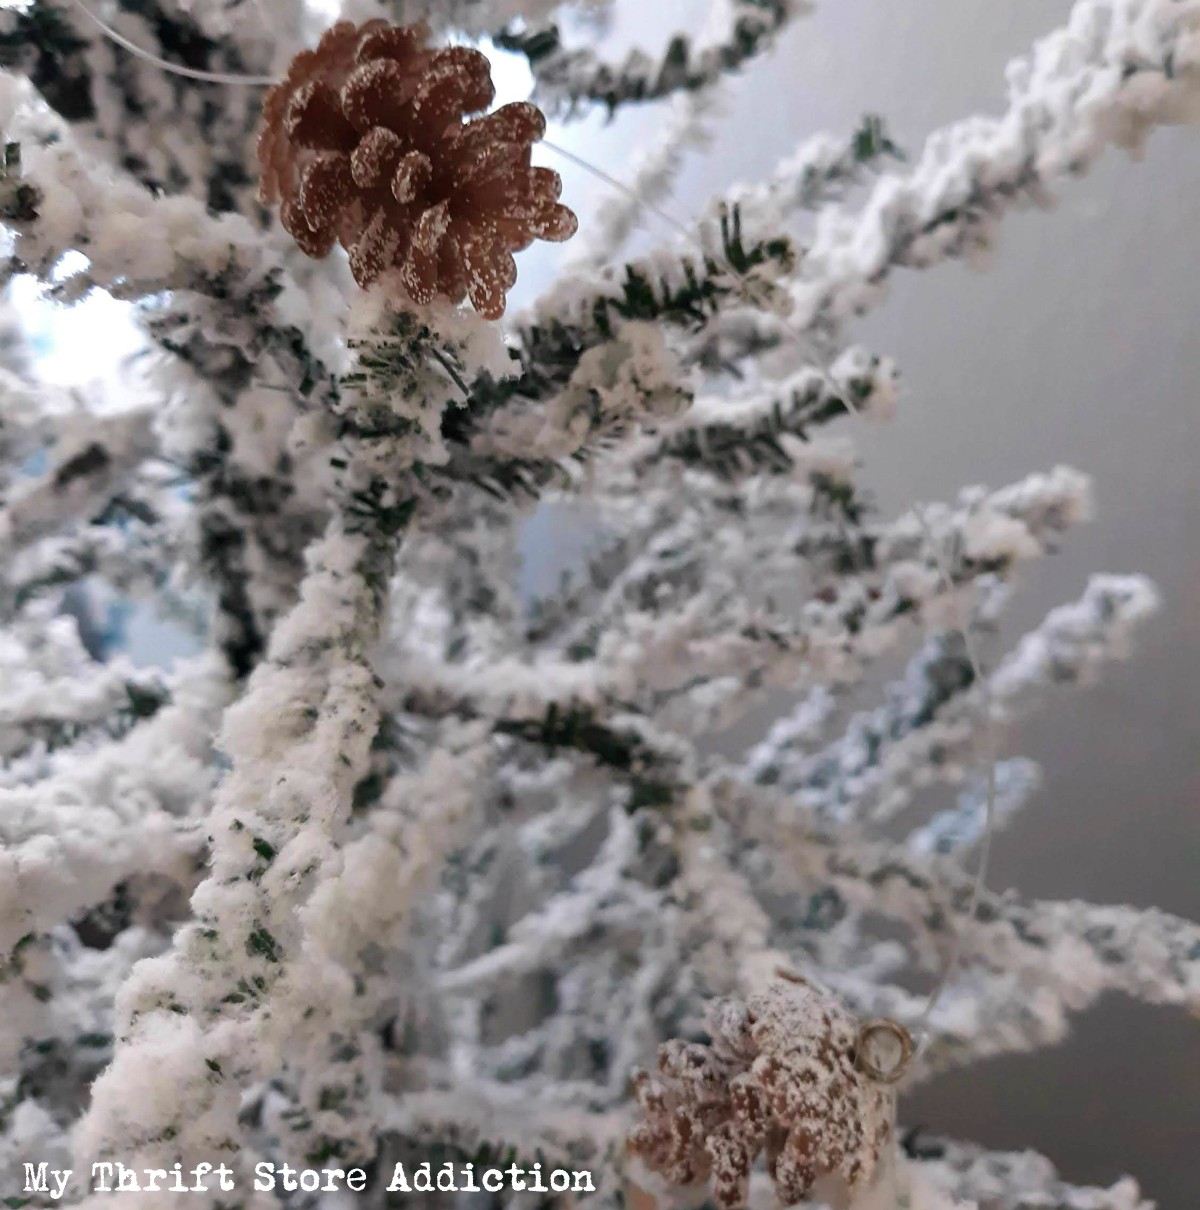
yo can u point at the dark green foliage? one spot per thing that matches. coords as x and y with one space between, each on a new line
872 141
577 727
261 942
706 282
18 199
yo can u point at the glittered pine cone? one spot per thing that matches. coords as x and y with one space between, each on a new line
779 1077
365 144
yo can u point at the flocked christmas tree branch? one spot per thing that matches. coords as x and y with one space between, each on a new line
275 840
229 331
569 79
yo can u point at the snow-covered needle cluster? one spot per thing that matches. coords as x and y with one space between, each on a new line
406 861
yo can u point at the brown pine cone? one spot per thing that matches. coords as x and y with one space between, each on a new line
779 1077
364 143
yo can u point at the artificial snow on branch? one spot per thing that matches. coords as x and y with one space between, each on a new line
1014 1180
327 835
1114 72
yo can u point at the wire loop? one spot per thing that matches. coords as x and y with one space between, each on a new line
865 1061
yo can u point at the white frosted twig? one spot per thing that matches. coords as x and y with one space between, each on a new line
719 646
818 173
56 689
928 726
58 995
590 905
771 425
145 556
961 827
299 741
633 378
1028 965
137 243
365 907
1117 69
30 413
127 808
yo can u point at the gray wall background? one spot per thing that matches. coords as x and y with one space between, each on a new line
1079 344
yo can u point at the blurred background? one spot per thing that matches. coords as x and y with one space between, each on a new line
1079 344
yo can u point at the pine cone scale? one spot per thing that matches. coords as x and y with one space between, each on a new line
314 119
392 41
376 94
325 186
374 160
413 173
376 248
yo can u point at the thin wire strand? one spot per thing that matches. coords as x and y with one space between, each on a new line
677 226
192 73
962 625
214 77
962 622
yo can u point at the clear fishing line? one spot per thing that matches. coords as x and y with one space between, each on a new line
192 73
